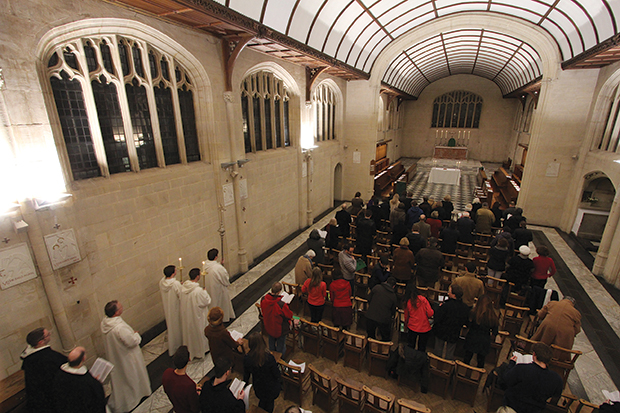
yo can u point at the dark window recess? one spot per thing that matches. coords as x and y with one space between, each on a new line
106 56
164 69
53 60
188 117
122 51
247 140
477 115
258 136
91 58
111 123
75 128
153 64
287 138
278 123
167 127
70 59
137 60
141 123
268 136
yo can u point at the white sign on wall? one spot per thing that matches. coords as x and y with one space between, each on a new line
553 169
357 157
229 194
243 188
16 266
62 248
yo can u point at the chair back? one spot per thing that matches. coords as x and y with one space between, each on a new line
585 406
289 288
360 306
290 373
463 249
361 284
521 344
563 367
441 371
497 345
466 382
377 347
401 290
330 333
312 336
448 260
439 364
564 403
436 296
446 277
514 317
410 406
355 341
350 392
321 380
378 400
467 372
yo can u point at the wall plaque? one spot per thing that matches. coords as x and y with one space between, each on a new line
62 248
16 266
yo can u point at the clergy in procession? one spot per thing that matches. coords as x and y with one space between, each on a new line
217 281
75 390
130 380
194 309
170 289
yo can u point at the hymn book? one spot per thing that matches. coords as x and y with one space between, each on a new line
236 335
235 388
523 358
287 298
101 368
302 366
612 396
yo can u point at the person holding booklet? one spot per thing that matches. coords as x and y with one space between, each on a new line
216 397
261 366
221 342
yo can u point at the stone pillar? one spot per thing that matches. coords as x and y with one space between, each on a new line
235 155
309 167
607 238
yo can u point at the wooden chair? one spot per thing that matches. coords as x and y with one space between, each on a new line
399 325
354 349
378 400
585 406
514 298
401 290
436 296
360 306
260 319
494 287
440 374
496 347
481 251
294 289
384 247
312 336
350 396
324 388
292 339
513 320
446 277
378 354
361 284
495 395
352 227
383 237
466 382
463 249
333 342
372 261
563 361
460 262
483 239
410 406
562 404
449 260
521 344
328 273
481 266
296 383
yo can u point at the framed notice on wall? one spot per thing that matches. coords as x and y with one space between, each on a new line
16 266
62 248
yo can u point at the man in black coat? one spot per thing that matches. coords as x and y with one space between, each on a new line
430 261
381 308
215 396
75 390
344 220
449 319
466 227
40 365
365 232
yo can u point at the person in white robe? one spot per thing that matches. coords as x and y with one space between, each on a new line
130 380
217 281
170 289
195 302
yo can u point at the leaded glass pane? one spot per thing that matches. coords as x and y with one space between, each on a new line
70 59
164 69
122 51
137 60
287 138
268 140
258 137
53 60
476 123
278 121
153 64
75 128
106 55
91 58
188 117
141 123
247 139
111 123
167 127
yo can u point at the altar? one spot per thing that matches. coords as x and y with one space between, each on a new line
450 152
449 176
451 144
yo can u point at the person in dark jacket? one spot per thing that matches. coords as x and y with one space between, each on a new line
497 257
397 223
466 227
514 220
40 365
179 387
333 232
416 241
430 261
413 214
380 272
357 204
449 237
365 233
519 271
316 244
522 235
344 220
221 343
530 385
425 206
449 319
447 208
498 215
261 366
381 308
404 262
215 396
76 391
508 236
483 323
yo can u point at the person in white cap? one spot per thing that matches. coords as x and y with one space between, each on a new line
519 270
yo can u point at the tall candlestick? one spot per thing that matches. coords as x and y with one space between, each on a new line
180 262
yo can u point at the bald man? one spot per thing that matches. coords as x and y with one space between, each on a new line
75 390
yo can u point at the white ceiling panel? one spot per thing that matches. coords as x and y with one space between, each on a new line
276 14
340 27
251 9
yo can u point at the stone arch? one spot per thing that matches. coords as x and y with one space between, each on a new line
339 104
597 197
337 195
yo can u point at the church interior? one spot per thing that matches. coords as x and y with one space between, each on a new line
252 121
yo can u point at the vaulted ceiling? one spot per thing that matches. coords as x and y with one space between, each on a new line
349 35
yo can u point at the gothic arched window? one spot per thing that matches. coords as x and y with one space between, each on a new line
457 109
324 107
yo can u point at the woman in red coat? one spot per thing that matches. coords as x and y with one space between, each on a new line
417 313
340 294
316 289
544 267
435 224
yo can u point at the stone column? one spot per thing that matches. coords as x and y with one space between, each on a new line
607 238
308 160
235 155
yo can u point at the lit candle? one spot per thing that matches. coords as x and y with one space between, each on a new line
203 263
180 262
436 133
459 135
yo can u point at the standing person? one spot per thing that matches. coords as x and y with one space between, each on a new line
435 224
413 214
380 271
466 227
404 262
40 364
348 264
544 267
447 208
340 293
449 319
194 308
217 282
472 286
357 203
430 261
398 223
423 228
276 317
260 365
529 386
519 272
221 343
449 238
130 380
507 235
215 396
75 390
366 231
484 219
515 220
561 323
343 217
179 387
316 244
316 289
497 257
394 202
303 268
170 289
425 206
483 324
475 207
498 214
416 242
381 308
333 232
417 312
522 235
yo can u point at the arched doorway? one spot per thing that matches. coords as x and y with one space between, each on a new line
597 198
337 184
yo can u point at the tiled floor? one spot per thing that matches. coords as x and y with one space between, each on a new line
595 370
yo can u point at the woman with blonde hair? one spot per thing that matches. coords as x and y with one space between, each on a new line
394 202
316 289
483 324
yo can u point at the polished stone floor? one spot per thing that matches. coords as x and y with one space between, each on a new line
595 370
